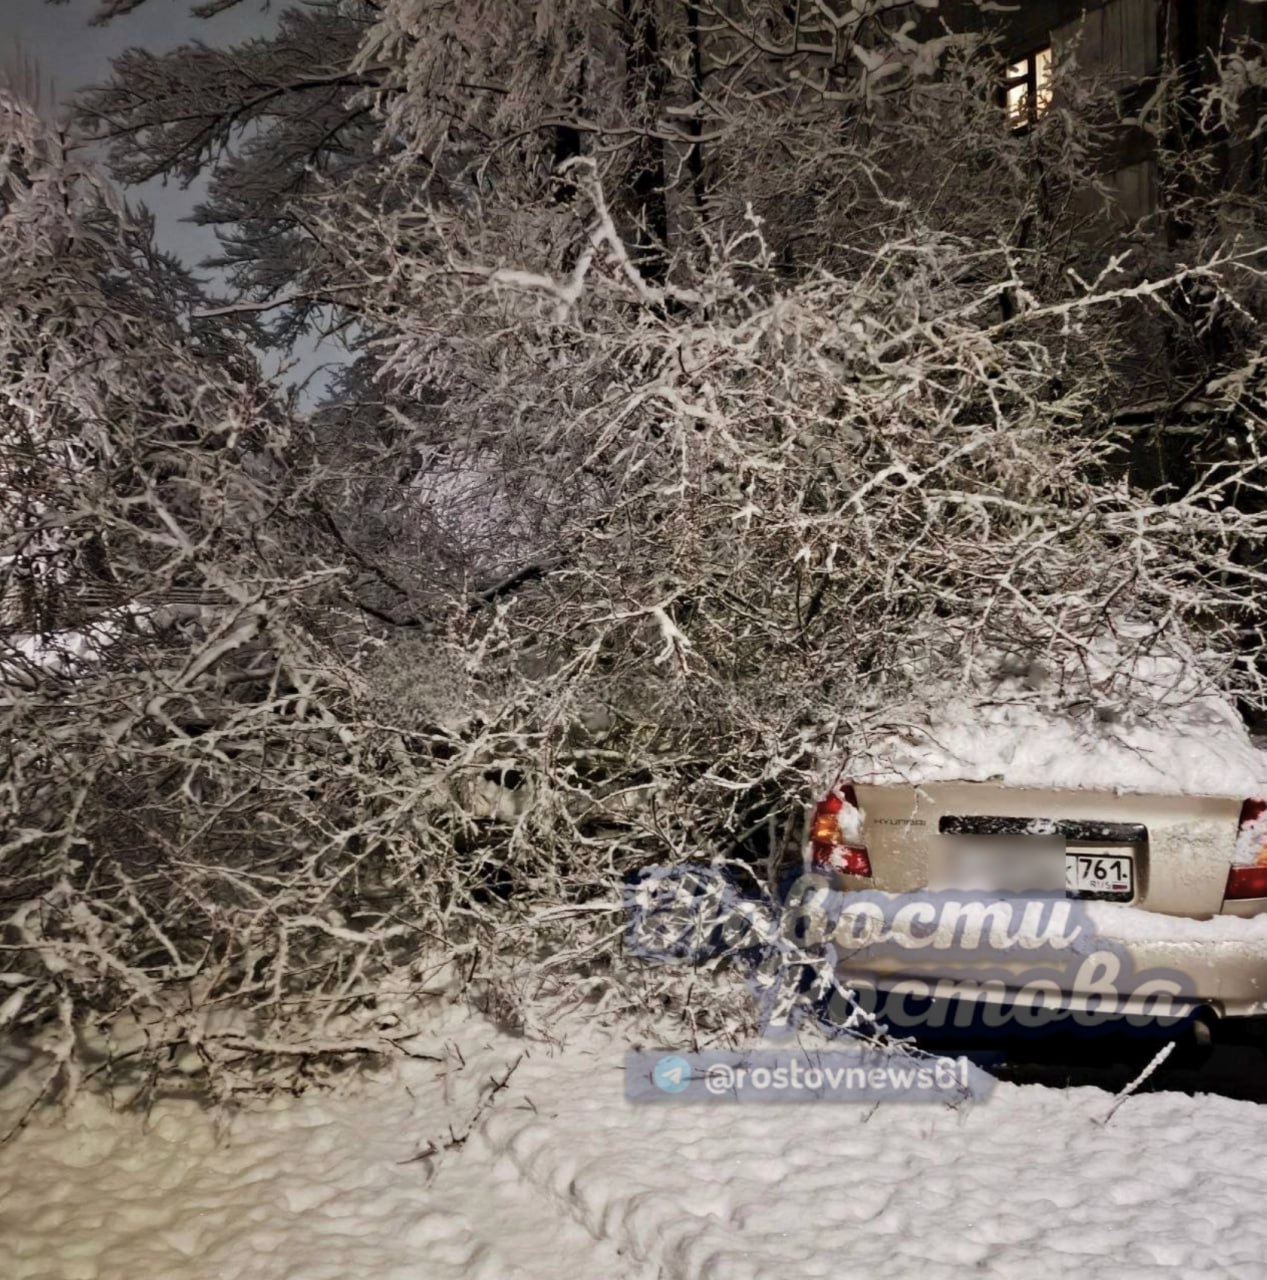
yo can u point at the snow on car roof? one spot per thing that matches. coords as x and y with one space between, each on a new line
1152 729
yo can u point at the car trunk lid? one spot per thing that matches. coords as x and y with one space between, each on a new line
1161 852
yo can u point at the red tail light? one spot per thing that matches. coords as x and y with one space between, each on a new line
1248 879
825 828
832 848
1246 882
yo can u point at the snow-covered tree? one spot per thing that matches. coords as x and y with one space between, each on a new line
164 655
264 120
818 423
734 384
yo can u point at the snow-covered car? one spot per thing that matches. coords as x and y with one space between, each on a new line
1156 832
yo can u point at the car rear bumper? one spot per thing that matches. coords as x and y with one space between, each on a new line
1099 956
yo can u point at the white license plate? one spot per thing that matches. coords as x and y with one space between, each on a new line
1110 874
995 864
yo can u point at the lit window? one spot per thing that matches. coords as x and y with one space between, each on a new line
1027 88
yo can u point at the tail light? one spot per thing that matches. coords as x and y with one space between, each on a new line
1248 878
835 835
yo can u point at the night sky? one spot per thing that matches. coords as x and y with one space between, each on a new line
73 54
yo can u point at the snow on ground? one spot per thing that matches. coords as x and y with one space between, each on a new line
560 1176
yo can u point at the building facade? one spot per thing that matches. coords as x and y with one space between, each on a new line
1129 44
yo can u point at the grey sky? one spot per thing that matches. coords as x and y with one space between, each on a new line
72 54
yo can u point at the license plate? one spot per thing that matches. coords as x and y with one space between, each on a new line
1100 875
997 864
